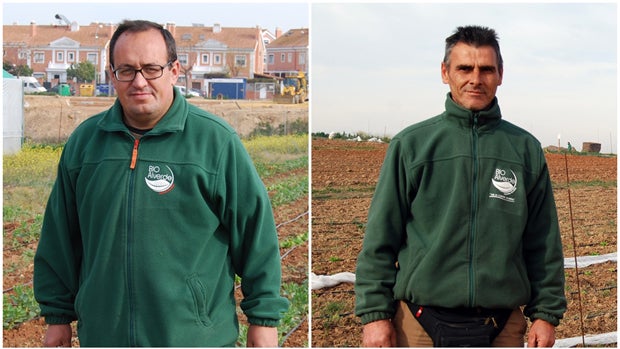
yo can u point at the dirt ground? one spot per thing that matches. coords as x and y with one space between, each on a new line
53 118
344 175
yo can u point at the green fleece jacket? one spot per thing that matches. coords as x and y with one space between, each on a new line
142 239
463 216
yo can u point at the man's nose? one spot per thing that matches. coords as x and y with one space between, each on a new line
139 79
475 76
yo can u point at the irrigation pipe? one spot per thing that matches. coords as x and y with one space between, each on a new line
293 330
292 220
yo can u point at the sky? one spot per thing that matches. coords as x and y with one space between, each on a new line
268 16
375 67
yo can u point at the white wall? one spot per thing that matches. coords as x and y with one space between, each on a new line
12 115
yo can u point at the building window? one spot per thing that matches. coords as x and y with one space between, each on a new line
290 57
217 59
283 58
91 57
240 61
70 56
302 58
60 57
183 59
39 57
272 59
205 58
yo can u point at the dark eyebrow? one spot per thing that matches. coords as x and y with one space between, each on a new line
125 66
487 68
490 68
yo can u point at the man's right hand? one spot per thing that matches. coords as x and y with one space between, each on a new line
58 336
379 334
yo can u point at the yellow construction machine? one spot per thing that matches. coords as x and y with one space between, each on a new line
293 89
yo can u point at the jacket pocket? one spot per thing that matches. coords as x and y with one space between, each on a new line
199 293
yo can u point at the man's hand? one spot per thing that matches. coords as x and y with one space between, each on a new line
542 334
58 336
261 336
379 334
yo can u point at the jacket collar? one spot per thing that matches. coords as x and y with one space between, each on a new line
173 120
486 119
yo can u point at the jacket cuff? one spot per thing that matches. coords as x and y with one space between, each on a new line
376 316
58 320
554 320
264 322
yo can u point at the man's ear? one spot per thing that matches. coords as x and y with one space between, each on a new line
175 70
444 73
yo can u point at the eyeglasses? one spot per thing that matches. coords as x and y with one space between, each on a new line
149 72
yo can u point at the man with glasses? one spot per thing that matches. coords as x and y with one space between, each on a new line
156 208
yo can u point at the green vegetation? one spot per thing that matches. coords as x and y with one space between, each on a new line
294 241
19 306
288 190
296 127
332 314
262 148
297 295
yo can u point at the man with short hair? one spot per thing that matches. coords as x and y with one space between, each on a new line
156 207
462 231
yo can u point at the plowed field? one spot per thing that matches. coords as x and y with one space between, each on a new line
344 175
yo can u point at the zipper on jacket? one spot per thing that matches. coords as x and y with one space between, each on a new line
130 291
474 205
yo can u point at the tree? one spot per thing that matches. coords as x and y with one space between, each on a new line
17 70
83 71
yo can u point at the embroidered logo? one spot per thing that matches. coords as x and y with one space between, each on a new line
506 183
160 180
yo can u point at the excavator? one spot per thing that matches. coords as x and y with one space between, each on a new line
293 89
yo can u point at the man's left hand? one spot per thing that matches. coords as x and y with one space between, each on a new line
261 336
542 334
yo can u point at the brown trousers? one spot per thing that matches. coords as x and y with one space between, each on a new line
409 332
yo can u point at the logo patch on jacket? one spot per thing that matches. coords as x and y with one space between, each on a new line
506 183
160 179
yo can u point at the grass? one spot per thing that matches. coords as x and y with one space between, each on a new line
29 176
331 313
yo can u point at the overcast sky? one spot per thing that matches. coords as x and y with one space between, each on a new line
228 14
376 67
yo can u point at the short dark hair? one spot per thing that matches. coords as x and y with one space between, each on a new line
475 36
136 26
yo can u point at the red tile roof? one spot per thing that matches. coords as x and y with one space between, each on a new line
292 38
